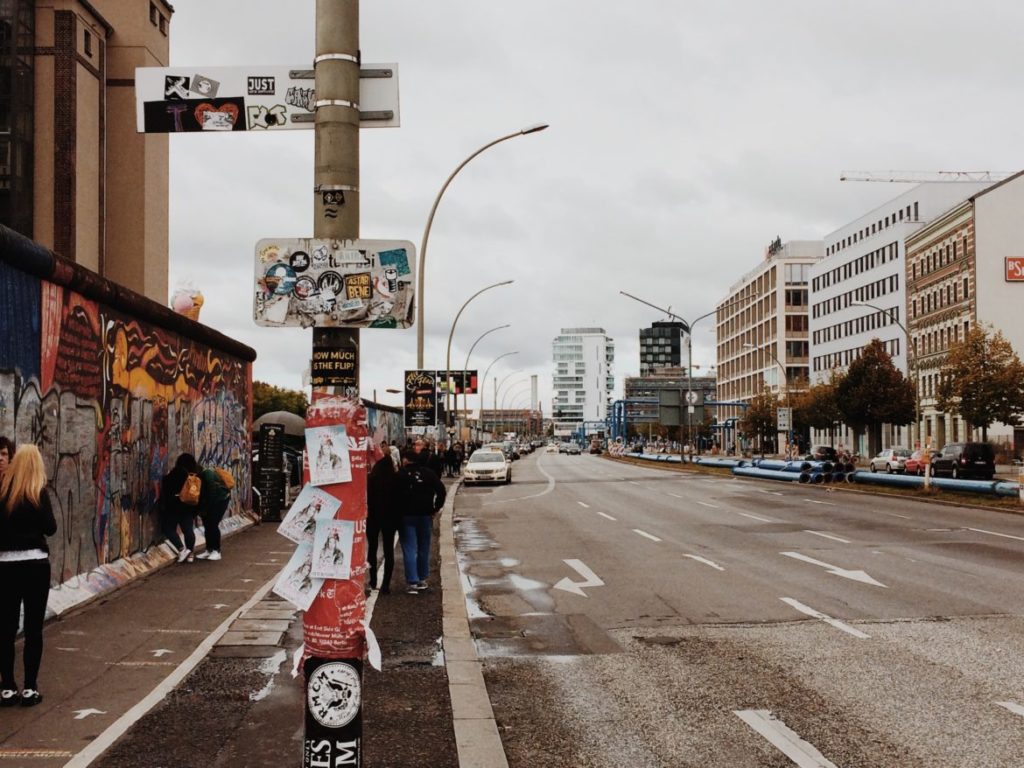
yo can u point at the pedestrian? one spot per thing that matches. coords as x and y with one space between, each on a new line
213 505
383 516
175 513
26 519
450 461
435 460
422 495
6 453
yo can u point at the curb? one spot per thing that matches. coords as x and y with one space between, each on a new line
476 732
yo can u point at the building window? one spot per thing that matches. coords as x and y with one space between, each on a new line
163 25
154 14
88 43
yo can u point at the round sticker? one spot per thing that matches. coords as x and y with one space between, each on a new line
299 261
333 692
280 278
331 281
305 287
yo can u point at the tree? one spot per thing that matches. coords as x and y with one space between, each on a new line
818 407
982 380
760 416
873 393
266 398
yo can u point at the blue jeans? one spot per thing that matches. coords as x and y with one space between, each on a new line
415 537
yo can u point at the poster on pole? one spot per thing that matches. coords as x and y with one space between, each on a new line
332 549
327 449
296 584
304 282
421 398
312 504
458 382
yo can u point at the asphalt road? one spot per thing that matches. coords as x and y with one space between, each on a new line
634 616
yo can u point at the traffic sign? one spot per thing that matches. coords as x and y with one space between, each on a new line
784 419
334 284
251 98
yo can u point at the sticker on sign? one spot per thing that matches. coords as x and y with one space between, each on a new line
1015 269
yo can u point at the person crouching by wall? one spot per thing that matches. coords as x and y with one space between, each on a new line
26 519
213 505
176 514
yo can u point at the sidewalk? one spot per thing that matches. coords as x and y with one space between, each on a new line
114 682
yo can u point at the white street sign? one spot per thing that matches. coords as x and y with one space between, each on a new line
334 284
784 418
251 98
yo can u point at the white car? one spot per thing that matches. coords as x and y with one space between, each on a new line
487 467
551 449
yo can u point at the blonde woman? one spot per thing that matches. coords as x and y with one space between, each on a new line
26 519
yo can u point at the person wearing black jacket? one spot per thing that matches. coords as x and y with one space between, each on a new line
26 519
174 513
422 494
383 516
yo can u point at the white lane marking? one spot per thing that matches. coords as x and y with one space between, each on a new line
590 579
646 534
768 493
633 482
81 714
823 503
602 514
835 570
784 738
585 506
704 560
822 617
756 517
676 496
993 533
1013 706
893 514
550 487
705 504
119 727
828 536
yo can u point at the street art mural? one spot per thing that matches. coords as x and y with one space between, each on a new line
385 426
111 401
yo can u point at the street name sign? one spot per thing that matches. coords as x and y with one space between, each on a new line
334 283
251 98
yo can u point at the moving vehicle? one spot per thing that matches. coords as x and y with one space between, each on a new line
573 449
966 460
891 460
551 449
487 466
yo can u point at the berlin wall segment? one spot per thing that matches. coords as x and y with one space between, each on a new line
112 387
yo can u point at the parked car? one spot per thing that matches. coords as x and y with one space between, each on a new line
891 460
968 460
915 464
486 466
822 453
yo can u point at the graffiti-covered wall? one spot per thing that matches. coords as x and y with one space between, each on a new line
386 424
112 387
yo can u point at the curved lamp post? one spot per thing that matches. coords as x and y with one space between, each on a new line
465 367
430 222
448 356
514 392
483 381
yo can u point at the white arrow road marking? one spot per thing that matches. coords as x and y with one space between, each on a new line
704 560
757 517
585 506
1013 706
160 652
590 579
823 617
247 581
828 536
784 738
218 606
705 504
645 534
835 570
602 514
81 714
993 533
823 503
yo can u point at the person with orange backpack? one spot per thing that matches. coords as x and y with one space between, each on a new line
213 505
180 492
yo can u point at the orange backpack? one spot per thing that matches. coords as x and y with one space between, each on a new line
226 478
190 490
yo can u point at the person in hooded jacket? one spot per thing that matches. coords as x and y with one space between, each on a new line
214 500
26 519
422 494
383 516
176 514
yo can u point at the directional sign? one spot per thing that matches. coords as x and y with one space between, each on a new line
81 714
334 283
252 98
590 579
835 570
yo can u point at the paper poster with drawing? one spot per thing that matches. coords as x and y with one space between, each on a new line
310 505
327 449
296 584
332 549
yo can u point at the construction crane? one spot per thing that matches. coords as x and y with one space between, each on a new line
921 177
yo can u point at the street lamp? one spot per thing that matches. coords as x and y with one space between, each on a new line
430 221
483 381
504 398
448 357
465 396
785 379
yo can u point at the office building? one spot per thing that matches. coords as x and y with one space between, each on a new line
661 346
583 377
641 394
74 174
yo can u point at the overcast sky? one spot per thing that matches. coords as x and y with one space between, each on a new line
684 137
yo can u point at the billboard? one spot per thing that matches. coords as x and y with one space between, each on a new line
458 382
308 283
420 398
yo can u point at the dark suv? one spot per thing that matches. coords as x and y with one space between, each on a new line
968 460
